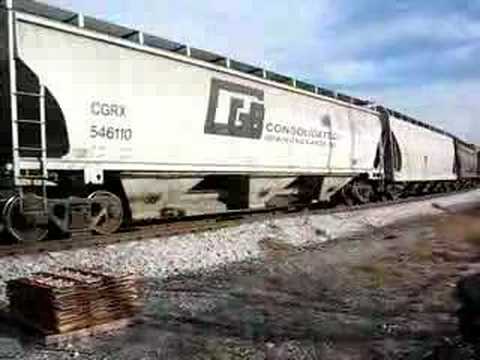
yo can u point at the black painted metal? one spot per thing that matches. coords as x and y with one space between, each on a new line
388 148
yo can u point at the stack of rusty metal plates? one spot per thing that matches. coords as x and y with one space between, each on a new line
72 299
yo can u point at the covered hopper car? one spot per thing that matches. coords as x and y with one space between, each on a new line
101 125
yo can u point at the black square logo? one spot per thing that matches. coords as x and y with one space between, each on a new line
235 110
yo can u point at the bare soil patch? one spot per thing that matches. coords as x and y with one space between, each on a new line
389 295
386 295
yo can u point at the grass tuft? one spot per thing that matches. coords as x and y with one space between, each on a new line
472 237
376 272
423 250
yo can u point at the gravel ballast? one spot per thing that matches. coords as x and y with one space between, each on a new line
164 257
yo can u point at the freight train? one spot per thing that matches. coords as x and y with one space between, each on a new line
101 125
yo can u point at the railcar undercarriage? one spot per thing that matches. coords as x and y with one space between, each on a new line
24 218
104 211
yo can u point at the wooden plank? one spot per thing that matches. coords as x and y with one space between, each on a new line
50 339
89 332
72 299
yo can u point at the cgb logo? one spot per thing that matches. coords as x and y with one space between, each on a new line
235 110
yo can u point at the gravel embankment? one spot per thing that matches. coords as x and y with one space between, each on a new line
164 257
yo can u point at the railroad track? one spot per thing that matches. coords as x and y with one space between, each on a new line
150 230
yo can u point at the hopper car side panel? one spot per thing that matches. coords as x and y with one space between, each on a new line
426 155
466 160
130 110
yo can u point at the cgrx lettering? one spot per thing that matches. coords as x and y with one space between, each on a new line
98 108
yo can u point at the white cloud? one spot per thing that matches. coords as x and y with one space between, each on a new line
346 42
439 27
348 72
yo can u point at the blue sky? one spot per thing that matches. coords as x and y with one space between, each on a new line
420 57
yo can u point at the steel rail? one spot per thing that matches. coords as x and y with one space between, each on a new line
163 229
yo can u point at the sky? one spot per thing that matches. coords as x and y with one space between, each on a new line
419 57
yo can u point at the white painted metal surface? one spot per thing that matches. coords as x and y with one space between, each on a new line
426 155
128 109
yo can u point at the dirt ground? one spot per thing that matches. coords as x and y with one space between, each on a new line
386 296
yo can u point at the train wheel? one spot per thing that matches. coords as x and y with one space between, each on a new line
346 196
362 192
22 227
107 212
394 192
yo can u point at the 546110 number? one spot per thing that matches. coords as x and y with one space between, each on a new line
110 133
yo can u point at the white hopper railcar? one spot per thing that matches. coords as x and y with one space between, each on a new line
101 124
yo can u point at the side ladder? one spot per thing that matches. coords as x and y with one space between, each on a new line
24 177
